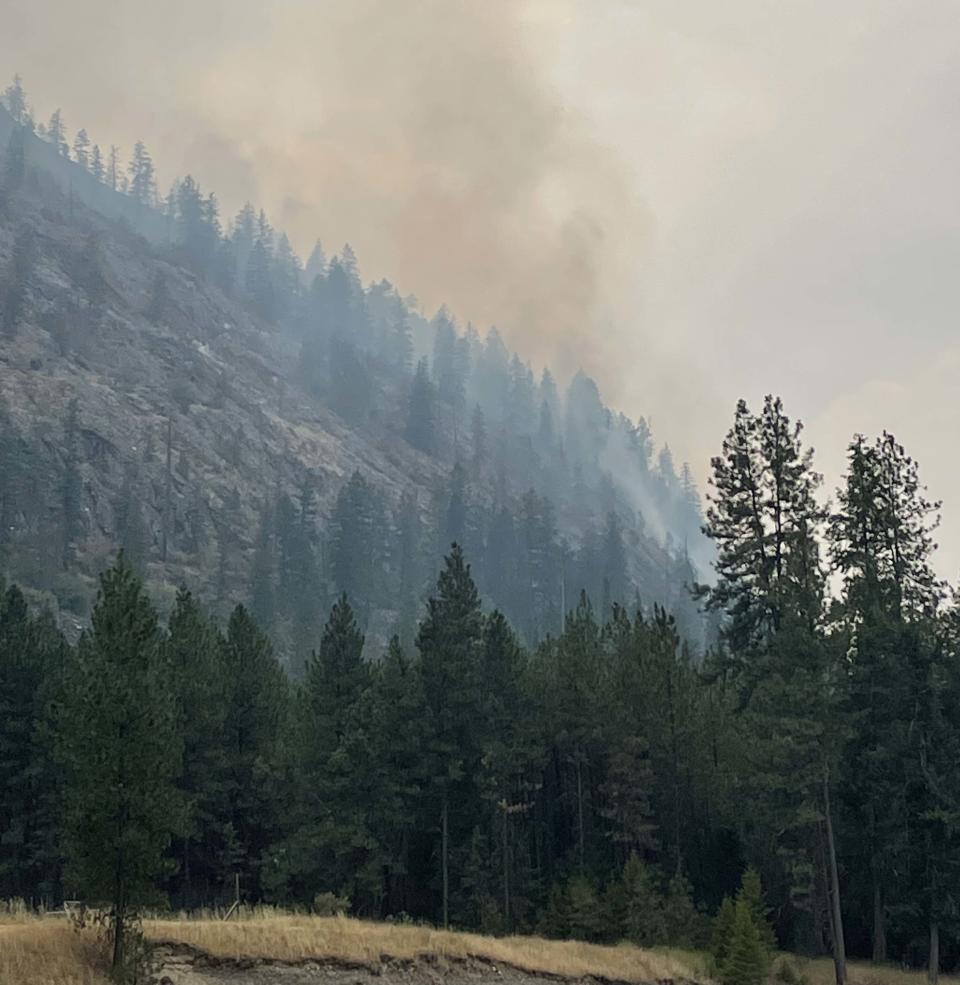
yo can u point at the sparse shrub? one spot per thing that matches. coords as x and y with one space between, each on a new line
787 973
330 905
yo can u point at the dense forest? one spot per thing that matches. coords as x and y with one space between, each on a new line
601 785
537 748
549 491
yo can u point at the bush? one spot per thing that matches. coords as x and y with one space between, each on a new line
787 973
330 905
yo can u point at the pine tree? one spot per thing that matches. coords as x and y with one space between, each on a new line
764 518
751 893
142 175
195 657
81 149
449 642
14 161
256 707
97 168
746 962
113 175
33 658
643 905
881 544
722 933
420 411
123 752
57 134
15 99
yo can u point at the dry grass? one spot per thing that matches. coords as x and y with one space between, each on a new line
47 952
819 971
298 938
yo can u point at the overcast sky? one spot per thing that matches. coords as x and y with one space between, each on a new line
697 201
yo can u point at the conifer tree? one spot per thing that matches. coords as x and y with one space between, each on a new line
643 905
449 642
420 411
15 99
81 149
57 134
123 752
195 657
745 962
256 707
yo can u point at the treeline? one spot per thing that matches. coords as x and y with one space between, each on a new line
548 490
601 785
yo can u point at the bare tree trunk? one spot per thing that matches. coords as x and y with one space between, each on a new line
444 849
836 922
166 491
580 805
879 923
933 960
506 868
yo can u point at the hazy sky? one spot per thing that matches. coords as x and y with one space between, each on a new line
695 200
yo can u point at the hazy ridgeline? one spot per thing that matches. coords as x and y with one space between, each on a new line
519 758
549 490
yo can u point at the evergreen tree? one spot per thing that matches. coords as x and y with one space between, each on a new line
256 707
745 962
57 134
123 753
33 659
97 167
14 161
643 905
141 174
81 149
420 412
195 659
15 99
449 642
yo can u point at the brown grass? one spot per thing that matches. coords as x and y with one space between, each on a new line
298 938
47 952
819 971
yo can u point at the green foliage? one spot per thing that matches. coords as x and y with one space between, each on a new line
584 914
722 932
751 893
746 961
644 914
123 752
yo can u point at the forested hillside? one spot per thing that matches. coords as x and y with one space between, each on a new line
400 629
274 432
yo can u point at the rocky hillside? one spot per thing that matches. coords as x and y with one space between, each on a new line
146 402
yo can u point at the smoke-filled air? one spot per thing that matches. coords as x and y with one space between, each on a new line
477 501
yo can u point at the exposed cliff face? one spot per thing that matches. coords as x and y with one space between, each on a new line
132 386
202 368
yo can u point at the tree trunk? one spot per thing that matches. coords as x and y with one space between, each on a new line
879 923
119 929
933 961
166 491
580 806
444 861
836 922
506 869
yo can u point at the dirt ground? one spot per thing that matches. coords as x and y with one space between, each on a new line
182 965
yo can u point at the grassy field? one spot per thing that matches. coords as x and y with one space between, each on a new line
49 951
294 938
